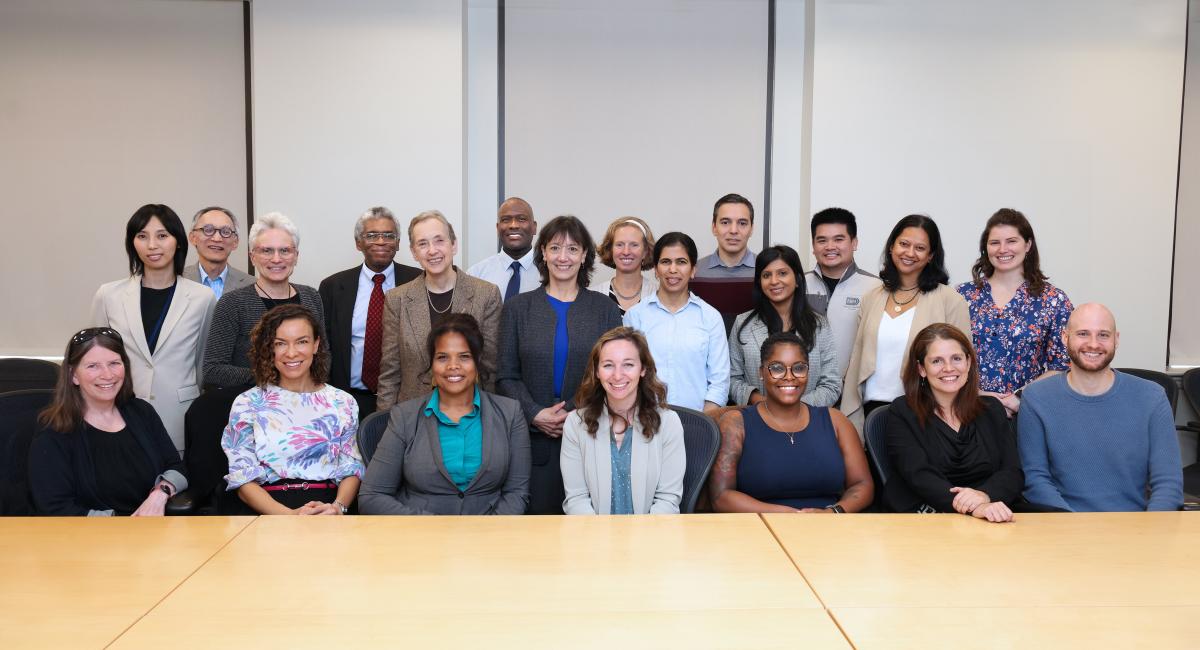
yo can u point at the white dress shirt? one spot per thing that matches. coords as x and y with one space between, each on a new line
497 269
358 326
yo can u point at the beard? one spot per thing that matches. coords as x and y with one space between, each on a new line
1083 363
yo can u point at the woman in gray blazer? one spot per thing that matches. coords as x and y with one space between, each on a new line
458 451
622 450
163 317
546 336
780 305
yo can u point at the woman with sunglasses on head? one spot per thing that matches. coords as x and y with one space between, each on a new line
780 305
782 455
163 317
291 440
101 450
622 451
913 295
461 450
951 448
274 250
628 248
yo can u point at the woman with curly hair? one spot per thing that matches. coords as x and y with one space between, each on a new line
622 450
291 438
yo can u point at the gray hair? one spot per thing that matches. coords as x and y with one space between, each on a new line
426 215
377 212
274 220
218 209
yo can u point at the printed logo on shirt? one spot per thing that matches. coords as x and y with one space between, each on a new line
853 301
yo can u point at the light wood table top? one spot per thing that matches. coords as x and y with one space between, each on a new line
1039 560
1152 628
713 580
77 582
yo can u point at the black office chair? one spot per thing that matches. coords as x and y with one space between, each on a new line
207 465
701 440
1190 383
370 432
875 436
27 374
18 423
1160 378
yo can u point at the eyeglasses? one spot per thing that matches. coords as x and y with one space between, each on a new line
779 371
268 253
380 236
85 335
210 230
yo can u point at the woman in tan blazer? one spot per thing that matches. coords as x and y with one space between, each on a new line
914 294
410 310
162 317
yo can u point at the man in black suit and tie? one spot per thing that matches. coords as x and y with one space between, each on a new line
353 301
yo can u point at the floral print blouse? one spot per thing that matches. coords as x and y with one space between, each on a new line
1018 343
276 434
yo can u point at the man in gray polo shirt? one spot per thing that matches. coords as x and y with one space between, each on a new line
836 286
732 225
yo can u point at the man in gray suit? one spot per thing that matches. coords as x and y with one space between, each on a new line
215 236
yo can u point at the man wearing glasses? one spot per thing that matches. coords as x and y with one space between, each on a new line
353 301
214 236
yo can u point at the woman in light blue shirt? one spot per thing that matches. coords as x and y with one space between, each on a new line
686 335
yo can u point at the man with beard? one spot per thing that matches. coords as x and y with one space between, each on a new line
1093 439
512 268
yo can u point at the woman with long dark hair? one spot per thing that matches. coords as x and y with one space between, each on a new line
622 450
914 294
101 450
780 305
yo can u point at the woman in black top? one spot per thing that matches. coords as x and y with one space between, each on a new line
951 449
101 451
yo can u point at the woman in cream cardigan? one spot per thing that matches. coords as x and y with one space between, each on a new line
914 294
622 449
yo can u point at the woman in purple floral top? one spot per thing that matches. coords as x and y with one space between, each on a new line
291 439
1017 316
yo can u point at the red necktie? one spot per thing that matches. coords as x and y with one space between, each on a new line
373 339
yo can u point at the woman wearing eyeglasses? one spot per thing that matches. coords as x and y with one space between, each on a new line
101 451
162 316
274 249
782 455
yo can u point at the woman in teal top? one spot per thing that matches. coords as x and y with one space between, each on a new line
460 450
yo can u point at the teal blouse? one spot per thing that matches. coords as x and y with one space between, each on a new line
462 441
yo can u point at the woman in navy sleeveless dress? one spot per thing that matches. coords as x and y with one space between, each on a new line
781 455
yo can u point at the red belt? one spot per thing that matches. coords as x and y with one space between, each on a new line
302 485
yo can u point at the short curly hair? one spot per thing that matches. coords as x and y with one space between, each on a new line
262 345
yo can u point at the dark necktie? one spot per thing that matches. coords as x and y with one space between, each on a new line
373 339
514 283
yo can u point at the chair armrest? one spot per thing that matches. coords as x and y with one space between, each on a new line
181 504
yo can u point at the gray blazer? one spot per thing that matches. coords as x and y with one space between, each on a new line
655 469
227 353
235 279
824 376
408 477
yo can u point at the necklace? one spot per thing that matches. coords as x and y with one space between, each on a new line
429 297
267 294
636 292
900 305
791 436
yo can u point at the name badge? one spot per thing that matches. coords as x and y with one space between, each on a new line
853 302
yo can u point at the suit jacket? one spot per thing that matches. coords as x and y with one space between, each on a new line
916 478
170 378
407 475
235 279
656 466
338 293
227 353
942 305
403 370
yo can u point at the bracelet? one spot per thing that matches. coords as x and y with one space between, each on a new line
341 506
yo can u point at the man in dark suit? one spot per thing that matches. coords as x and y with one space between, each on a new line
353 301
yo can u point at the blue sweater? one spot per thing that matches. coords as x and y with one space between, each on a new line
1100 453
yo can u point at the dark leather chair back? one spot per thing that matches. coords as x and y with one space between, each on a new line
26 374
18 423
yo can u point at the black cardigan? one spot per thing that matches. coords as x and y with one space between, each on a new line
62 477
915 481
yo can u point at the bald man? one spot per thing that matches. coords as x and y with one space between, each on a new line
1096 440
511 269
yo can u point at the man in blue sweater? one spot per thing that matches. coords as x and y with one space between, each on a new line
1093 439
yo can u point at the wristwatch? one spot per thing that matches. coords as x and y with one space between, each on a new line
836 508
166 489
341 507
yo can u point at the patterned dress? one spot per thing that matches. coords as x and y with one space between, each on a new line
276 434
1018 343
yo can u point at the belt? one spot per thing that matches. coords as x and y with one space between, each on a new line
301 485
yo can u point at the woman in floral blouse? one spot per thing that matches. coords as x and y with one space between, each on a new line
291 439
1017 316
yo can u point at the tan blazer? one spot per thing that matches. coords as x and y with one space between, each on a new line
170 378
404 363
942 305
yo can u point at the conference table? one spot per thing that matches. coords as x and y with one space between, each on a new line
735 581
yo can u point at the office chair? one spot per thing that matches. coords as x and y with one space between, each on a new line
26 374
701 440
875 436
370 432
18 423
